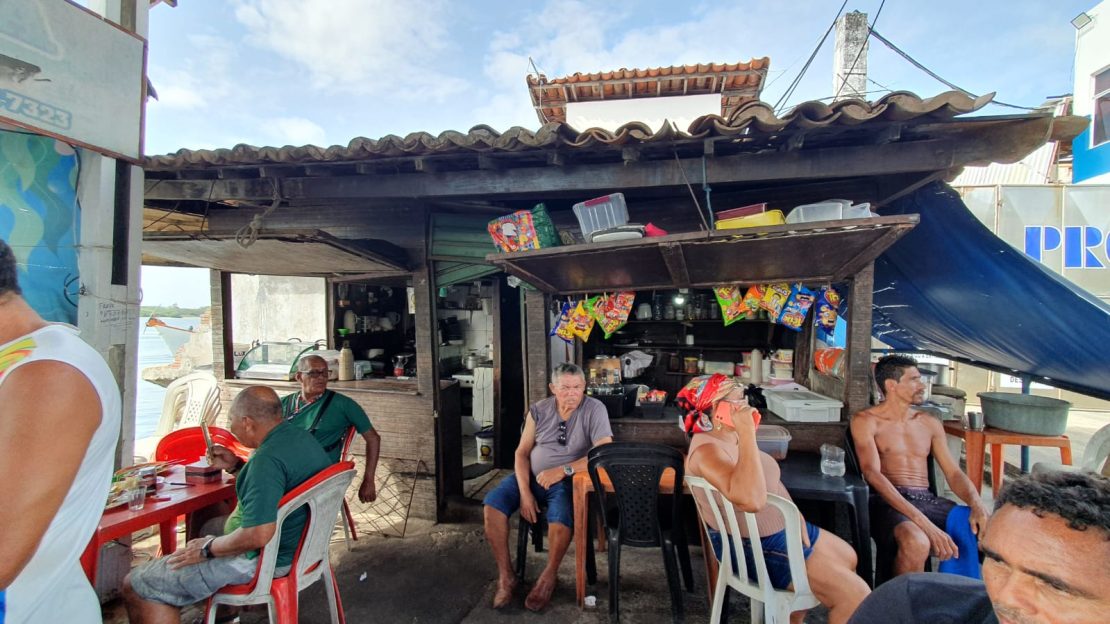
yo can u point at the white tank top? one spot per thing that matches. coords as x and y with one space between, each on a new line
53 587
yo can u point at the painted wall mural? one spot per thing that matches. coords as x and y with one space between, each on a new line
40 220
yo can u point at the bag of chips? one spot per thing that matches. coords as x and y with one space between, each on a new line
514 232
774 299
797 307
827 303
582 319
563 327
753 297
731 300
611 310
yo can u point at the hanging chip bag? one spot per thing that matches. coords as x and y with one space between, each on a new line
753 297
612 310
582 319
563 327
775 298
827 303
731 300
797 307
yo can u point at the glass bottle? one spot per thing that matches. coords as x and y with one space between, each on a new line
701 363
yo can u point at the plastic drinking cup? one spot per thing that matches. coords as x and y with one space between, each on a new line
832 460
136 498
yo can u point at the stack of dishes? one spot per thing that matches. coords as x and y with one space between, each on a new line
628 231
782 366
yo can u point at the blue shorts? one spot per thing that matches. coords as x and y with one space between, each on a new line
774 554
560 505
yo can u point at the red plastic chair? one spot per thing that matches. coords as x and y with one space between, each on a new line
188 444
323 494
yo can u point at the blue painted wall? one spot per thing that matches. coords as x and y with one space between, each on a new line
1088 161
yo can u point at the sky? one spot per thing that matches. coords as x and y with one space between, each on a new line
322 72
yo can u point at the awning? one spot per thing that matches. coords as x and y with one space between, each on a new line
458 248
814 253
952 288
276 252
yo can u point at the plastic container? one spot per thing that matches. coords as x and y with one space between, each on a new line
484 442
601 213
802 405
1025 413
743 211
773 440
771 217
652 410
831 210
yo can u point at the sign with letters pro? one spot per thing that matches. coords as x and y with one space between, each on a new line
67 73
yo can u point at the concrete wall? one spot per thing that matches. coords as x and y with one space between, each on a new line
277 308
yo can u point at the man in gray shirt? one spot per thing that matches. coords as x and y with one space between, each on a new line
558 433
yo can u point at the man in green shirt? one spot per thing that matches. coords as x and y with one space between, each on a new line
328 416
285 457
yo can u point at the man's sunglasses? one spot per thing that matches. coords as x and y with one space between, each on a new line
562 439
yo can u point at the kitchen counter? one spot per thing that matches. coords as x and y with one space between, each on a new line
390 385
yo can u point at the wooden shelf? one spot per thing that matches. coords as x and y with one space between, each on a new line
717 321
684 347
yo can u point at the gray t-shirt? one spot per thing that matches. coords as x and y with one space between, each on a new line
586 425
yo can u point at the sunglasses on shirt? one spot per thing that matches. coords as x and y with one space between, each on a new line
562 439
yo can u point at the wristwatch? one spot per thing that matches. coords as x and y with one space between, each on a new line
206 550
568 470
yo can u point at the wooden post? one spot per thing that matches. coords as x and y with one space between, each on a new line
536 343
857 390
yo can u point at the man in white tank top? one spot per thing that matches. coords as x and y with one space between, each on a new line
59 422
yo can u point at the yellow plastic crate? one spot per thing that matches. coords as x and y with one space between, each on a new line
771 217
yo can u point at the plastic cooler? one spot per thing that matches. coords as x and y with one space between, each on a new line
802 405
832 210
601 213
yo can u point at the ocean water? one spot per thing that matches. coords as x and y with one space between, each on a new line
153 352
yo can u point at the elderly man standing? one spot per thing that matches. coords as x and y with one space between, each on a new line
558 433
285 457
894 441
328 415
1047 551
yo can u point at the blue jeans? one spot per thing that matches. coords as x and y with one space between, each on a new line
560 505
774 554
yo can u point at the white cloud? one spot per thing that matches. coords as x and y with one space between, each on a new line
362 47
294 131
204 79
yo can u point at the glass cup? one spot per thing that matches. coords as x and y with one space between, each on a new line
832 460
136 498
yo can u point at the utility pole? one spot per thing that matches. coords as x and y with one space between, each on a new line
850 57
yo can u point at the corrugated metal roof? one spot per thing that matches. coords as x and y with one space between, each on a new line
1039 167
750 119
737 83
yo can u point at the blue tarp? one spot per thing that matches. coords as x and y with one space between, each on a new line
952 288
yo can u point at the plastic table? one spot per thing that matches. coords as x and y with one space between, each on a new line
977 442
162 509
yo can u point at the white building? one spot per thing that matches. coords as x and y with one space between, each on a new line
1092 95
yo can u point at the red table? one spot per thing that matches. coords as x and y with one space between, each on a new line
182 500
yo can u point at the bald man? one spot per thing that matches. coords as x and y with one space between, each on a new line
286 457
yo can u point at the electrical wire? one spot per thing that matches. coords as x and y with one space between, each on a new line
870 29
917 64
794 85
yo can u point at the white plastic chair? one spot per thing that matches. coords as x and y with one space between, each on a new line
1094 457
772 606
189 399
323 495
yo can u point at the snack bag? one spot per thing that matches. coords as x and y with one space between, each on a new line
582 319
753 297
797 307
611 311
563 327
827 302
546 234
731 300
774 299
514 232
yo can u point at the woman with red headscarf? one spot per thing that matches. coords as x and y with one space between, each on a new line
723 451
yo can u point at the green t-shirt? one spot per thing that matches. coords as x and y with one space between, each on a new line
286 458
342 414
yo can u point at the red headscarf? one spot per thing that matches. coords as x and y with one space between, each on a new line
696 401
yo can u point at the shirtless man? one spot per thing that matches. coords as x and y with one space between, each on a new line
893 441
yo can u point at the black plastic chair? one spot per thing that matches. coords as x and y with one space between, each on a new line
638 515
526 530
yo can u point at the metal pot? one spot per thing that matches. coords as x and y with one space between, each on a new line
942 371
472 361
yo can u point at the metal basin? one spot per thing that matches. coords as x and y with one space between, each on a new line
1025 413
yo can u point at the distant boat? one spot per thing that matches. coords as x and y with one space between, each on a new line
174 337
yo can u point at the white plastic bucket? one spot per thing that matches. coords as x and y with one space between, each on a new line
484 442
